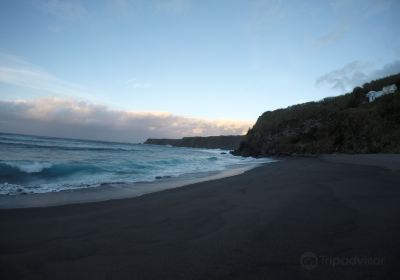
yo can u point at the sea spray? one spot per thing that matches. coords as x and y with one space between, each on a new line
30 164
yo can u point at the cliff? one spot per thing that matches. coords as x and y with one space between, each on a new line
230 142
342 124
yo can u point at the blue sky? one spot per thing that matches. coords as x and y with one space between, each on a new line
202 60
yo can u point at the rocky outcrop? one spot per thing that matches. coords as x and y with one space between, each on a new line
343 124
230 142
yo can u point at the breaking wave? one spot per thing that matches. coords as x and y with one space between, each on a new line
31 164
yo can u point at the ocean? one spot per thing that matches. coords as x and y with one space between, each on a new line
32 164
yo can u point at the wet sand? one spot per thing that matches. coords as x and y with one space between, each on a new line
332 217
113 191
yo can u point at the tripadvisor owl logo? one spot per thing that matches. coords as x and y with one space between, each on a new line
309 260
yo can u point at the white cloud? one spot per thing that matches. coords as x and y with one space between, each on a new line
355 74
136 83
17 72
62 117
65 9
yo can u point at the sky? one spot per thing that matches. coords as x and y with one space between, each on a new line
126 70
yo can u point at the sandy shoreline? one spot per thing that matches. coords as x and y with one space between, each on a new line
115 191
307 218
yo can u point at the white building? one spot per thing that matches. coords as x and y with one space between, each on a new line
389 89
372 95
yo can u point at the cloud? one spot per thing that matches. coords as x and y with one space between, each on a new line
349 14
17 72
345 77
355 74
361 8
60 117
64 115
123 6
332 37
263 12
62 8
135 83
172 6
386 70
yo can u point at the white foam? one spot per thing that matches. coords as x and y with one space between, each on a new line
30 167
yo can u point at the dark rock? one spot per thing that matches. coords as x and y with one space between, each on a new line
163 177
229 142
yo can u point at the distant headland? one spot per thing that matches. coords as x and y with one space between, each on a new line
230 142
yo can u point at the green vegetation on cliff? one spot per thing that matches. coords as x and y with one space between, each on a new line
342 124
229 142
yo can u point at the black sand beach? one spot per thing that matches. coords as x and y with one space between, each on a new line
332 217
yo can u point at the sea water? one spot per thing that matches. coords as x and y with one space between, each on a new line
32 164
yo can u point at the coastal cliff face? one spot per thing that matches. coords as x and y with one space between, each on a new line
343 124
230 142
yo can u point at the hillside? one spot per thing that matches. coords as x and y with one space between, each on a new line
211 142
342 124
